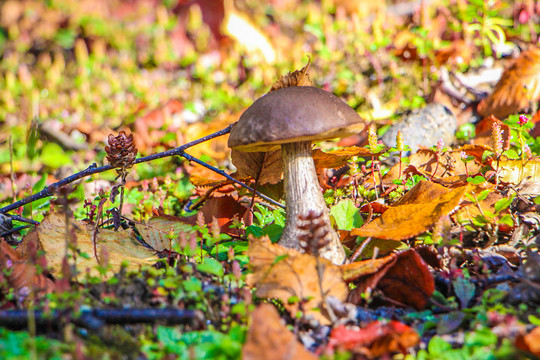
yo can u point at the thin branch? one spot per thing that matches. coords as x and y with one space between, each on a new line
94 169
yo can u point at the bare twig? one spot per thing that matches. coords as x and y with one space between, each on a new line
94 169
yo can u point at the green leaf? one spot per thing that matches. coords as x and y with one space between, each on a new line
346 215
476 180
504 203
507 220
53 155
211 266
437 346
483 195
511 154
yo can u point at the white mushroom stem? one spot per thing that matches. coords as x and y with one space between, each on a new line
303 194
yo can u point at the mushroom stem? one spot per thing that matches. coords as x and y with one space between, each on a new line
302 194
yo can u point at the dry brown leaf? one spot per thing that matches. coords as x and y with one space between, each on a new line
121 246
515 171
161 232
281 273
402 222
296 78
269 339
264 167
519 85
22 274
404 277
324 160
337 158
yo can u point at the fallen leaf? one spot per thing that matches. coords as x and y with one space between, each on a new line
264 167
403 277
160 232
121 246
224 209
22 274
375 339
404 221
518 87
269 339
530 342
483 133
282 273
515 171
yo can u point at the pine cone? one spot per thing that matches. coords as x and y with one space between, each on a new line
121 151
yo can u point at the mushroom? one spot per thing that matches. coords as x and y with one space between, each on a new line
292 118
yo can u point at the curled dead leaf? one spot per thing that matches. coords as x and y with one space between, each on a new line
296 78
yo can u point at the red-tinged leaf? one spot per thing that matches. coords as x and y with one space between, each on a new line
408 281
269 339
404 278
225 210
374 207
518 87
375 339
483 133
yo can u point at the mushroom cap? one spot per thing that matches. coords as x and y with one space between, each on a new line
291 114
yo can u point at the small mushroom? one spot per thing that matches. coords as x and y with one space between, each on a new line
292 118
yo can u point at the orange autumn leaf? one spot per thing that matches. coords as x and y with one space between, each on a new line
269 339
339 157
530 342
404 221
403 277
519 85
264 167
282 273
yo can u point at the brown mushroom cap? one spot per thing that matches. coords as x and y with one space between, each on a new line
291 114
